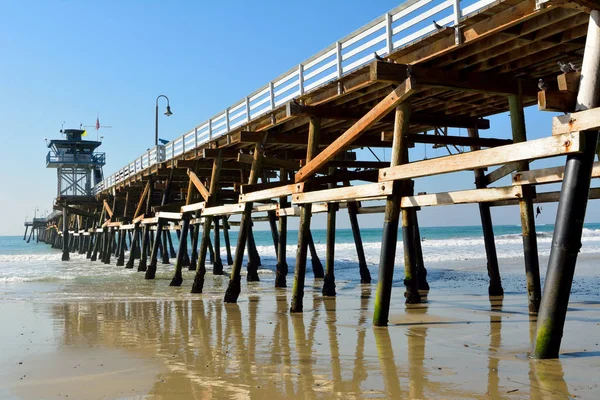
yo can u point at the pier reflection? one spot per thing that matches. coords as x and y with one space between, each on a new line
257 349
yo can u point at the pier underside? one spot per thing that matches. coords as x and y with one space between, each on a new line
298 159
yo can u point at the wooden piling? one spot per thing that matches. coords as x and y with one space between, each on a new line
570 216
391 220
65 253
226 237
195 231
234 287
314 130
495 285
25 234
272 215
217 264
411 279
253 257
315 261
171 248
365 274
282 266
329 282
164 247
422 283
530 249
134 245
182 251
198 284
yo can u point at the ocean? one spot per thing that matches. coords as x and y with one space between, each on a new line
454 257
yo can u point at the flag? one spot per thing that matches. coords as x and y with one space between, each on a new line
84 133
97 123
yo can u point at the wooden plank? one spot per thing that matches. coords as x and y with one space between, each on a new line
198 184
245 189
545 197
575 122
530 150
371 210
192 207
149 221
554 100
270 162
547 175
138 219
114 224
499 173
381 71
223 210
401 93
462 197
169 215
265 207
272 193
127 227
349 193
293 211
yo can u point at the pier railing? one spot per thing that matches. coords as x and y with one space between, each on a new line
395 29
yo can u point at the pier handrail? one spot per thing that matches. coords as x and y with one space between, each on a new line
397 28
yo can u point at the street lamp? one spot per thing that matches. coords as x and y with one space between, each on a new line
168 113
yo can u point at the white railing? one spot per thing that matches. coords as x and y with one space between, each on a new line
398 28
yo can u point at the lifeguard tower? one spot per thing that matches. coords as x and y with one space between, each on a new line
78 166
78 170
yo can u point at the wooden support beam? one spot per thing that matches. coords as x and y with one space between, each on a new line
228 154
450 140
198 184
356 164
107 208
269 162
499 173
381 71
569 81
530 150
578 121
272 193
171 207
397 96
138 209
555 100
547 175
339 113
350 193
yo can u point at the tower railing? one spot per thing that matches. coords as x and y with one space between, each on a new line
395 29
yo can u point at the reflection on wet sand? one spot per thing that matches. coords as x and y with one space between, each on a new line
257 349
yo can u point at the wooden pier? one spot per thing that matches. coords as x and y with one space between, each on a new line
288 151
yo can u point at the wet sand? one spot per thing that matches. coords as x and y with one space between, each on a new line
454 346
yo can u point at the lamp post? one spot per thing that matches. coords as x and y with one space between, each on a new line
168 113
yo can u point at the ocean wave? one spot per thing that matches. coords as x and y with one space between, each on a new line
30 257
20 279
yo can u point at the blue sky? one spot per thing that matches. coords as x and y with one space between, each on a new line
68 61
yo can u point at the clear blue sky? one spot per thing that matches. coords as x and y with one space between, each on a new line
67 61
